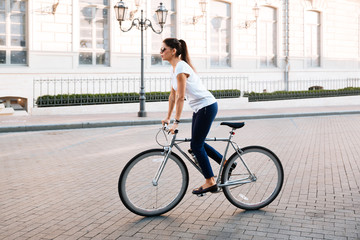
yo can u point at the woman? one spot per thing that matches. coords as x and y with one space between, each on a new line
186 83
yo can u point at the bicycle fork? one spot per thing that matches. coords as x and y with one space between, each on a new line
161 167
167 151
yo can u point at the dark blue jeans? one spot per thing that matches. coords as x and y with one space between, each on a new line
201 123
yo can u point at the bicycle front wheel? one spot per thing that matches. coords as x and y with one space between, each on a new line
255 181
137 189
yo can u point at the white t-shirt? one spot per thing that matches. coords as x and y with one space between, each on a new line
195 92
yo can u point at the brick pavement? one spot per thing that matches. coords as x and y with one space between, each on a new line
63 185
229 109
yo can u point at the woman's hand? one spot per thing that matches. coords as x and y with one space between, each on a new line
165 121
173 128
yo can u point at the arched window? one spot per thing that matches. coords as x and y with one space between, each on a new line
169 30
13 45
268 37
94 32
220 34
312 38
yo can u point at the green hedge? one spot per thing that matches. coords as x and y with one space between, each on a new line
231 93
91 99
283 95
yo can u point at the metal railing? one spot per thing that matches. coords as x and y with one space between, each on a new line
274 90
86 90
56 92
302 84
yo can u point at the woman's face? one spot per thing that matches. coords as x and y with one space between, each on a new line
166 52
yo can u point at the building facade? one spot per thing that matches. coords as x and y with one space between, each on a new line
288 40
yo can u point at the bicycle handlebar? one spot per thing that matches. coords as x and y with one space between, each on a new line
167 129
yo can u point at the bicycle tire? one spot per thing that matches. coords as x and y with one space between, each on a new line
262 190
137 191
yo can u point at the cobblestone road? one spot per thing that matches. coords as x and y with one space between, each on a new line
63 185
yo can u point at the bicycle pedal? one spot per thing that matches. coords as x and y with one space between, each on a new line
201 194
218 190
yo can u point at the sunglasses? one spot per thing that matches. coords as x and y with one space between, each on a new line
162 49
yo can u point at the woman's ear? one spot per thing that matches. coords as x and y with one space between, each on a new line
173 52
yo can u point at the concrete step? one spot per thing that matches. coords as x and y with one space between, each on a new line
6 111
20 113
16 106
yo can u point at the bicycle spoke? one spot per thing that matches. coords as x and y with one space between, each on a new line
140 195
263 185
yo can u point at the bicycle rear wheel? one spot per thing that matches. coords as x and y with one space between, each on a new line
136 188
259 176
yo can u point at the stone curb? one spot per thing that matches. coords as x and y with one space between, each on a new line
67 126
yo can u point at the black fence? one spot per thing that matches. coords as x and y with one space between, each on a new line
89 91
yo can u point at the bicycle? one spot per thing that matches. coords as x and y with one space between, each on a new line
154 181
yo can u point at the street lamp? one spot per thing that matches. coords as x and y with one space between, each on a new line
141 24
247 24
202 4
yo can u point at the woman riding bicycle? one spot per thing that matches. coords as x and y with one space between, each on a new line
185 83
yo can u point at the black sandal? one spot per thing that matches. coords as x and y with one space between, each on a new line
200 190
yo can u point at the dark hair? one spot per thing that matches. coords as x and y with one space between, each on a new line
181 49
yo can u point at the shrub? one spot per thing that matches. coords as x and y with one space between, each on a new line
110 98
283 95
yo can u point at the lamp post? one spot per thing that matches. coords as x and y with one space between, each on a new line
247 24
202 4
141 24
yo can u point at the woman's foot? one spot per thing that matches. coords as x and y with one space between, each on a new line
202 190
209 186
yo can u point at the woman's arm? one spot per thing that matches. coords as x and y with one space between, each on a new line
179 99
180 94
171 106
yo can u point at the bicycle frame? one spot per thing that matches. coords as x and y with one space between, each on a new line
175 143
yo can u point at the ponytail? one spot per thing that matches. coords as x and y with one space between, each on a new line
181 49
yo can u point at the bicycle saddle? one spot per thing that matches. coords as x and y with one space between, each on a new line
234 125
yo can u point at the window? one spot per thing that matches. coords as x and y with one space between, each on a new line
220 37
268 39
94 32
312 38
13 46
169 30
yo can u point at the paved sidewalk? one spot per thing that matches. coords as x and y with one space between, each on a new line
63 185
51 122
